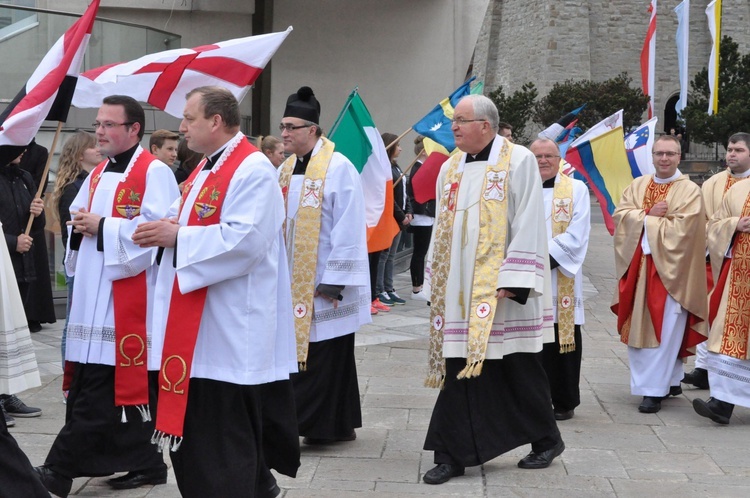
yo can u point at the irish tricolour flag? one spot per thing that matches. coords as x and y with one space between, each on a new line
357 138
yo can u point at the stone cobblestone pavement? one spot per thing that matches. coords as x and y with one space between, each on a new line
612 449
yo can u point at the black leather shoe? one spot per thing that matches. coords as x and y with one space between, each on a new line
55 483
650 404
697 378
715 409
268 488
313 441
443 472
674 391
542 460
139 478
564 414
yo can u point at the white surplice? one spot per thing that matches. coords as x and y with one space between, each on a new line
246 334
18 367
342 249
516 328
569 248
654 370
91 326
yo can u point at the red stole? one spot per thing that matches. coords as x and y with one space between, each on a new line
186 310
129 296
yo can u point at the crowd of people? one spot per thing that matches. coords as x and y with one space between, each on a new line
213 304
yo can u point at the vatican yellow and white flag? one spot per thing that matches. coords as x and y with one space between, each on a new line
713 12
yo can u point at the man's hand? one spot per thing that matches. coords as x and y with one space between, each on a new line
659 209
37 206
327 298
23 243
85 223
162 233
744 224
501 293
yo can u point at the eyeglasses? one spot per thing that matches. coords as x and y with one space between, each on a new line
548 157
668 153
108 125
290 127
462 121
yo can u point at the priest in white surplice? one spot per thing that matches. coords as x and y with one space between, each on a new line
326 242
660 264
713 189
488 275
108 425
727 359
222 321
568 212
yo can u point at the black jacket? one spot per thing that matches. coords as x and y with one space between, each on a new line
66 199
401 204
17 189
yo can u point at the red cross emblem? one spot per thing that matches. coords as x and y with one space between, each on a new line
483 310
225 68
437 322
565 302
300 310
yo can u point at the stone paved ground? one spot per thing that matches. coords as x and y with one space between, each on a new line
612 449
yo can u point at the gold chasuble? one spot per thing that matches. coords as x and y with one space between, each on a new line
730 299
714 189
489 258
305 247
562 213
677 260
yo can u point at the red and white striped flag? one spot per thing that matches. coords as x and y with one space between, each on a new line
164 78
48 92
648 59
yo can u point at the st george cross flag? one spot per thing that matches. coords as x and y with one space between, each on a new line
648 59
599 154
682 38
437 123
47 93
713 12
164 78
357 138
638 144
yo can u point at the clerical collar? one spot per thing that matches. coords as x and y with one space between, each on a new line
483 155
301 165
744 174
672 178
211 160
119 163
549 183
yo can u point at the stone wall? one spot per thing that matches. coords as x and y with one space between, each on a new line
548 42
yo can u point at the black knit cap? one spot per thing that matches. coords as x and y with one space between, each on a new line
303 105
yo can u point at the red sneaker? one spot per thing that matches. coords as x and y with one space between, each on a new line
380 306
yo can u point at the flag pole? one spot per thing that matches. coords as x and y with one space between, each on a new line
408 168
46 172
398 139
343 111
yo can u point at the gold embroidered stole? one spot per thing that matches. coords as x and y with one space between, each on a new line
731 180
307 226
737 321
655 192
489 257
562 213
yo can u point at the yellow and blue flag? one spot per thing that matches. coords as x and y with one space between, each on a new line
437 123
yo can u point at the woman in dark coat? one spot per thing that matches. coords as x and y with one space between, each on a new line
17 191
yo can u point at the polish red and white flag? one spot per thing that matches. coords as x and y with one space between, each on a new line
164 78
48 92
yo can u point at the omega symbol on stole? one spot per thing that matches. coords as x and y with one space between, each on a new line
135 360
169 385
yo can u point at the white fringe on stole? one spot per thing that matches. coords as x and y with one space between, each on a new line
161 439
144 410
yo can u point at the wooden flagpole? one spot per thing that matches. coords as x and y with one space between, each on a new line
398 139
46 172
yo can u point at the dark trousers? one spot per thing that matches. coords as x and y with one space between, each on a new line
17 477
220 454
564 372
421 240
374 258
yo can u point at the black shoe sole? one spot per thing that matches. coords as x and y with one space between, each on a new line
702 409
